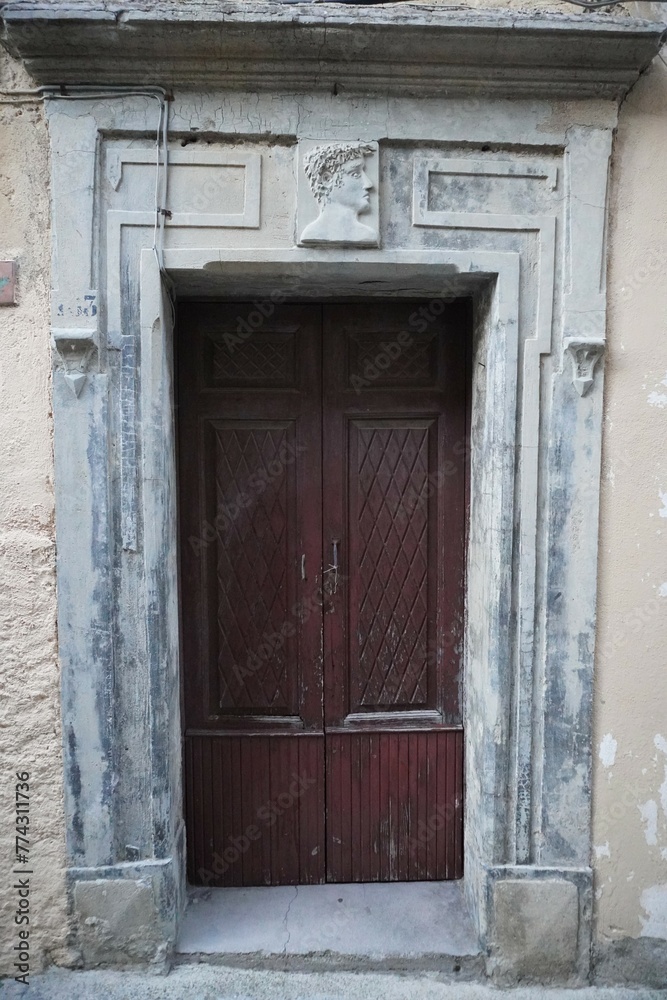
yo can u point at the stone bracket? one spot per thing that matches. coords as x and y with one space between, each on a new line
77 350
585 354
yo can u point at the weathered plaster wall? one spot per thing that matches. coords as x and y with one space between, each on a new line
29 682
630 787
630 790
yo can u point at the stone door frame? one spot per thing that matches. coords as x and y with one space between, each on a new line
537 279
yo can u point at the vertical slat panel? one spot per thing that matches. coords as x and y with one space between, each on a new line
333 821
206 806
251 854
403 788
355 811
236 817
436 819
311 813
189 812
407 801
449 762
460 778
374 808
302 819
395 803
383 817
280 861
365 845
423 848
321 817
234 831
290 806
264 796
347 808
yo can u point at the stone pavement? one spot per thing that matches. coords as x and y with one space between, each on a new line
207 982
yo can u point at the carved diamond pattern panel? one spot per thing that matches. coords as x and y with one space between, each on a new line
252 490
382 359
393 566
258 359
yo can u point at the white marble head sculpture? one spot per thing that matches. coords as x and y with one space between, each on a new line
340 185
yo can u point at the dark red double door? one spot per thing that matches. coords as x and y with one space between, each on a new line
322 512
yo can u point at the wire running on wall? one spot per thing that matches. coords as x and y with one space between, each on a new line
159 94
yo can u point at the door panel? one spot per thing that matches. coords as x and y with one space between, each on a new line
322 515
392 608
255 809
394 436
250 499
394 806
257 661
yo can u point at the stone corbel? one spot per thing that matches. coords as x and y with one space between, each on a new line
77 350
585 354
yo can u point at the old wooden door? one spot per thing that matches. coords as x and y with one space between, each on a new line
322 512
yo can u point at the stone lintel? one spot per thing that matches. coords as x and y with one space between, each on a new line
411 50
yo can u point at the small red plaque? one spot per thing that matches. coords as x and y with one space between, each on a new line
7 283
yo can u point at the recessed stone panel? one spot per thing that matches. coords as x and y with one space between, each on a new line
536 926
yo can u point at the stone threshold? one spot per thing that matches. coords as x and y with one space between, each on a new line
398 925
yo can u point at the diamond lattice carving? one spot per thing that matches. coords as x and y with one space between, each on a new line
380 357
261 360
252 505
393 567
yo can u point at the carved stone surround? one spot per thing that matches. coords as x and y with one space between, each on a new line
476 196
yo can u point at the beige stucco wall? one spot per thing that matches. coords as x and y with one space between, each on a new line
630 780
630 787
29 693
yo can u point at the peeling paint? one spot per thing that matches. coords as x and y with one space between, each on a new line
657 399
608 748
602 850
662 590
654 903
649 814
663 501
661 744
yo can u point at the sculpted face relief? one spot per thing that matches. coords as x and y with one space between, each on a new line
341 186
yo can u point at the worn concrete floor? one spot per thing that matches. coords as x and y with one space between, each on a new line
206 982
375 921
